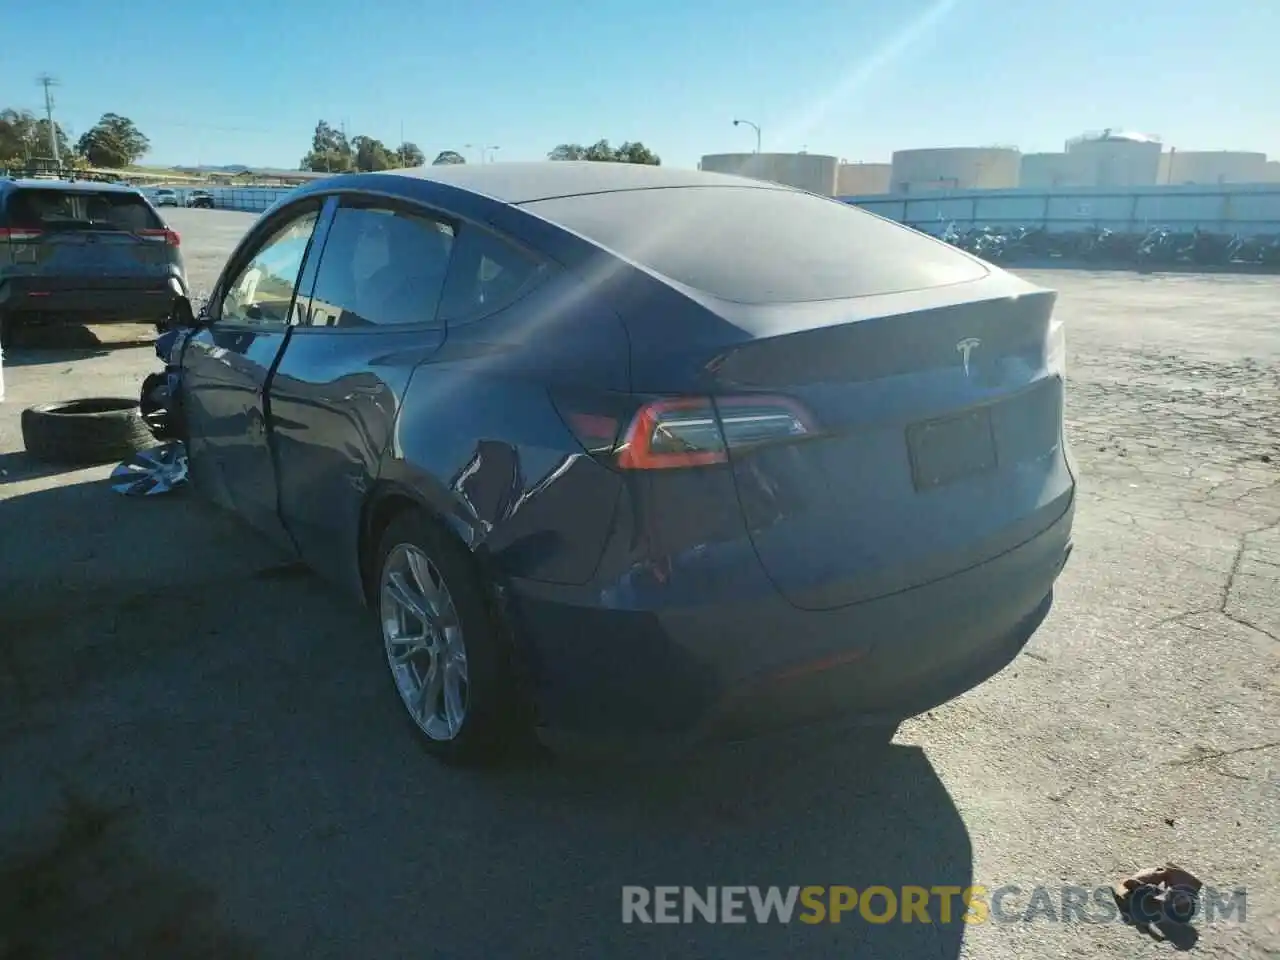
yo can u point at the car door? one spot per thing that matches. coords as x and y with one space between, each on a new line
369 321
228 362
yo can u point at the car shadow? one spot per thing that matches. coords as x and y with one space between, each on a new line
246 719
19 465
64 343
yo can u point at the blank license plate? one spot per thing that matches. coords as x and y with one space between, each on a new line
944 451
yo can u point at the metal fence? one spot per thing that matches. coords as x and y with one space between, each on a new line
1243 209
248 199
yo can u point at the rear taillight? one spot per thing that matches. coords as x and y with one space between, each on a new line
167 236
669 432
680 432
19 234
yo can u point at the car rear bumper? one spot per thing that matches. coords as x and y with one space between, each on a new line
104 298
687 673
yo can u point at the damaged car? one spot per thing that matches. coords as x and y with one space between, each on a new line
626 452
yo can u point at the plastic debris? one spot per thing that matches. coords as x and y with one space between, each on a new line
152 472
1159 899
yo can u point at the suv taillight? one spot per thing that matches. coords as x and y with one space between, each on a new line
168 236
676 432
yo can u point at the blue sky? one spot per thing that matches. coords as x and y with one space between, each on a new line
226 81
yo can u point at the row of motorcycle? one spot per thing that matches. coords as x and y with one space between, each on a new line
1152 248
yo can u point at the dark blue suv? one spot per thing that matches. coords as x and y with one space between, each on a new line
84 251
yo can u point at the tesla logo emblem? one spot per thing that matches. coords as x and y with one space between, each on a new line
966 347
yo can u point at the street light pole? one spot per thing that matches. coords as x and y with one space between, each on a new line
489 153
753 126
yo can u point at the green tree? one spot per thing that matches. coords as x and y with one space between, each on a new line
637 152
16 128
409 155
446 158
602 152
114 141
41 136
568 151
371 154
330 151
23 137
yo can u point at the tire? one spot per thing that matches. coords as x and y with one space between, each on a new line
493 720
90 431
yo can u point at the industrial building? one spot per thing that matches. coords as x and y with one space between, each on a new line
954 168
1108 158
1213 166
814 172
1105 159
863 179
1114 159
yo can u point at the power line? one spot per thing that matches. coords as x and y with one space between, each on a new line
49 83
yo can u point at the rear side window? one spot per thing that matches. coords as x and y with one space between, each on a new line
381 267
36 209
487 275
755 245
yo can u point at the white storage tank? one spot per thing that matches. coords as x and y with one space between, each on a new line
1213 166
955 168
1117 159
863 179
1048 170
814 172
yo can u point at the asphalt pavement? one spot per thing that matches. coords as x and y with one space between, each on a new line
201 755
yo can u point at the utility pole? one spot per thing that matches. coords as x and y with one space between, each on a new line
49 83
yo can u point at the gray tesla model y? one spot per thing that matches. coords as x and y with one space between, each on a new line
634 452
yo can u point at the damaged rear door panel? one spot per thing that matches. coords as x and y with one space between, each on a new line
367 320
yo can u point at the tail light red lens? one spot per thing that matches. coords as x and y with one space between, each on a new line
672 432
19 234
168 236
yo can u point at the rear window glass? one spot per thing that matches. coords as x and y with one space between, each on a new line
37 209
755 245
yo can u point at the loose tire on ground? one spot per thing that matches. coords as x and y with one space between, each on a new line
91 431
495 721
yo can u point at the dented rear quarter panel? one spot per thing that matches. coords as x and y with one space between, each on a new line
479 440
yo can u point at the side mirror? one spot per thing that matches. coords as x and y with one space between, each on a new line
182 316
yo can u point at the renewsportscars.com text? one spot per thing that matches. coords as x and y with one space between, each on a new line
1010 903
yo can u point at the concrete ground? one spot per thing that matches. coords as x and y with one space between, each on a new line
201 755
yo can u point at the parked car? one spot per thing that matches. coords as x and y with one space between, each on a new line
201 199
84 251
166 197
625 451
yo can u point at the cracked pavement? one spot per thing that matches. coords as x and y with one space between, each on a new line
233 715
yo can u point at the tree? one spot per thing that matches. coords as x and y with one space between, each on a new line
371 154
330 151
42 141
568 151
114 141
409 155
16 128
23 138
602 152
446 158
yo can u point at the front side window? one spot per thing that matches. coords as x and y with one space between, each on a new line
381 267
261 294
